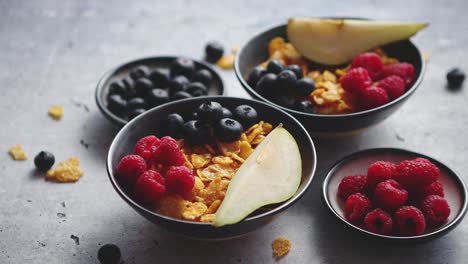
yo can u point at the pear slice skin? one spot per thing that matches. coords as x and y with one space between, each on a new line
271 174
338 41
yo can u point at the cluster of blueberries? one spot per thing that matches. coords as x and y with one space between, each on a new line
282 85
144 88
211 119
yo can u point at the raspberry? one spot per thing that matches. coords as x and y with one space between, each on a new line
435 209
168 153
145 146
389 195
369 61
356 80
393 85
435 188
149 187
409 221
352 184
403 70
374 96
378 221
417 172
179 179
379 171
356 207
130 167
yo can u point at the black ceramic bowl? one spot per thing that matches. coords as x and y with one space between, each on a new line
255 52
121 71
357 163
149 123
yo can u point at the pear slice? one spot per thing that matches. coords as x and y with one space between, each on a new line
271 174
337 41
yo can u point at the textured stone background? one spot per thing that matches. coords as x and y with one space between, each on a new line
53 52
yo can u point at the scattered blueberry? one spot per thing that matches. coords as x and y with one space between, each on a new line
174 124
117 88
246 115
182 66
297 70
305 106
197 89
455 78
180 95
255 76
203 76
305 86
196 132
210 112
213 51
266 86
110 254
160 78
139 72
275 66
227 113
178 83
143 86
135 103
158 96
286 79
228 130
136 112
44 160
116 104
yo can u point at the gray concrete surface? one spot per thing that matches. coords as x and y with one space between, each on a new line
54 51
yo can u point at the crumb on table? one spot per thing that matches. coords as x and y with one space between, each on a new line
56 112
281 247
17 152
66 171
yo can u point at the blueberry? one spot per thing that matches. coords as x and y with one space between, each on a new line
227 113
304 86
157 97
160 78
213 51
116 104
203 76
180 95
182 66
110 254
178 83
305 106
193 116
286 99
143 86
266 86
44 160
117 88
196 132
174 124
274 66
255 75
246 115
228 130
135 103
139 72
455 78
297 70
136 112
210 112
286 79
197 89
129 85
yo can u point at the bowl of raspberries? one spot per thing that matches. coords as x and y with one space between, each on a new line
395 194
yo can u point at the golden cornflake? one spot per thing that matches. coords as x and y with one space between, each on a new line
245 149
171 205
258 139
214 207
228 147
226 62
194 210
199 185
207 218
56 112
66 171
222 160
281 247
17 152
200 161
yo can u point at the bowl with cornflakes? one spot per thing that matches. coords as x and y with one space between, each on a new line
187 176
324 98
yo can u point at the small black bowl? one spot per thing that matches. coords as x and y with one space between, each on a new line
150 123
121 71
357 163
255 52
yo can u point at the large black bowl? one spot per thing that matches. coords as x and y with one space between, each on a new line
150 123
255 52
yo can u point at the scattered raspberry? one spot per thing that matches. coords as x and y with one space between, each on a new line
356 207
168 153
352 184
393 85
410 221
403 70
149 187
378 221
417 172
374 96
130 167
435 209
379 171
389 195
369 61
356 80
145 146
179 179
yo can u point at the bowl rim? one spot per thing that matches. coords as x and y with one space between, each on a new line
284 205
100 87
254 93
331 172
